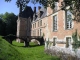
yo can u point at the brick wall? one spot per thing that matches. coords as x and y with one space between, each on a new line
61 33
23 27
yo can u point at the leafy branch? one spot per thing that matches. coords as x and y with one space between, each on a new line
76 38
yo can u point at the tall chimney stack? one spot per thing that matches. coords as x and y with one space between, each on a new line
39 7
34 10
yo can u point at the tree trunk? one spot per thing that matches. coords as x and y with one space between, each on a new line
10 41
20 8
26 43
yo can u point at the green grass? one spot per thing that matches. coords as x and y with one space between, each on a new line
8 52
33 53
18 52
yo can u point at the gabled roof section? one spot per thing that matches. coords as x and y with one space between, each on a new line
28 12
40 14
44 12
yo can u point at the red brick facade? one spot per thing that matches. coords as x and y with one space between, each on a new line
47 27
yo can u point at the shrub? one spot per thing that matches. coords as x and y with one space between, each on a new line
76 42
62 53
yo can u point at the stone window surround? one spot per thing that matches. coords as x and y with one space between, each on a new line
70 41
52 21
65 26
55 25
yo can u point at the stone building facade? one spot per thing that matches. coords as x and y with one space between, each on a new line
56 26
24 24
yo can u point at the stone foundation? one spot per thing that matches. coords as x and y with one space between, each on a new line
19 40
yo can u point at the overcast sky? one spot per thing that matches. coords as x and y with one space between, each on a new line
12 7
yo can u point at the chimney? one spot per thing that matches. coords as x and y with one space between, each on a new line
34 10
39 7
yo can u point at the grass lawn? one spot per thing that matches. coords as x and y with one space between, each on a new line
33 53
8 52
18 52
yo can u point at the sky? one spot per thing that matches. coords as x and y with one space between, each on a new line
12 7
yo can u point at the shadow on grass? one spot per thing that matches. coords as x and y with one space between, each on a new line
17 45
34 45
28 46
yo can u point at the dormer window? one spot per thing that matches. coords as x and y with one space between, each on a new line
41 12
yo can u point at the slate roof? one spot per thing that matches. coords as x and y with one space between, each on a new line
28 12
43 13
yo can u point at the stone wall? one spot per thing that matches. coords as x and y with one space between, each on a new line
23 28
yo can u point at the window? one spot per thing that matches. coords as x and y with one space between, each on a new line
68 41
34 33
68 20
40 32
54 41
35 25
55 23
40 22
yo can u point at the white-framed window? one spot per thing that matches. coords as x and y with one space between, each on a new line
34 32
35 25
40 32
68 41
40 22
54 41
68 18
55 23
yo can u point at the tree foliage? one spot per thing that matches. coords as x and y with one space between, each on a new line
76 40
20 3
8 24
2 27
74 5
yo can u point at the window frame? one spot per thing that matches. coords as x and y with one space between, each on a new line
54 41
40 22
68 23
68 41
56 24
35 25
40 32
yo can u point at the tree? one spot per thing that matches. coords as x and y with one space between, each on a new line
8 26
21 4
73 4
9 20
2 27
76 41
